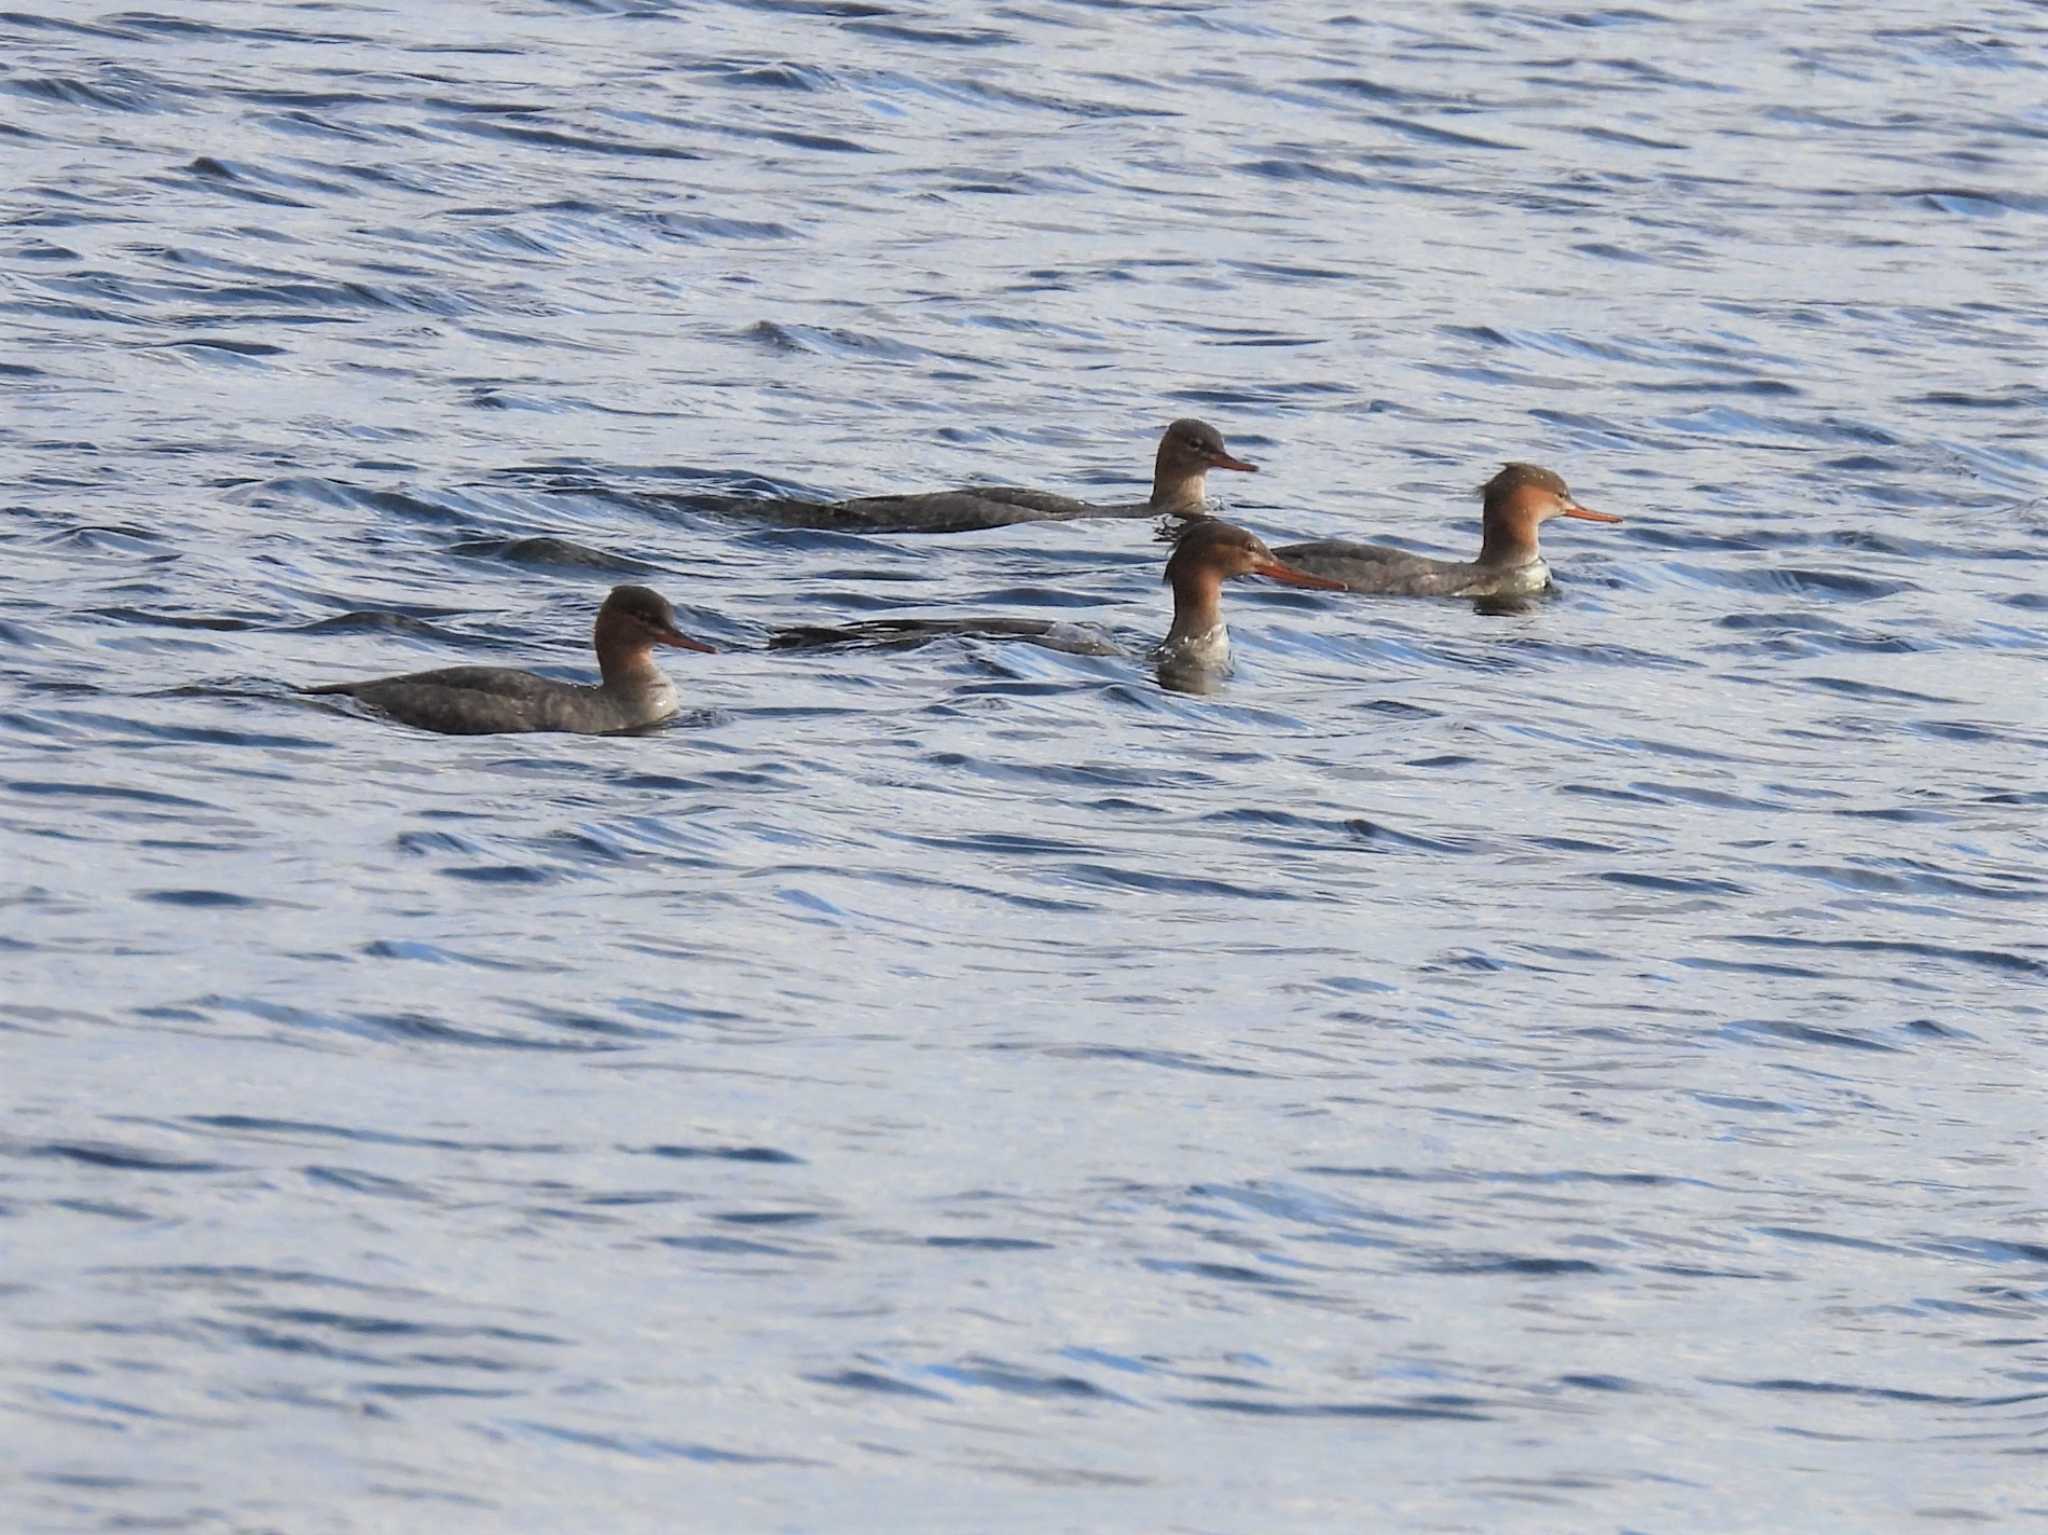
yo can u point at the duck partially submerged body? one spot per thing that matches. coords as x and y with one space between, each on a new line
1518 501
1208 553
491 700
1188 450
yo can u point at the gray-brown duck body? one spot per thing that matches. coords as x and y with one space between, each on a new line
1517 502
1188 450
490 700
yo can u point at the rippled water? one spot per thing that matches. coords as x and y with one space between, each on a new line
1572 1070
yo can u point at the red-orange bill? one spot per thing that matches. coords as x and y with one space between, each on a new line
1293 577
682 641
1587 514
1225 461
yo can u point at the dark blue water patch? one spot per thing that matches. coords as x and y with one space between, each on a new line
119 1413
1754 967
738 1247
412 1027
1747 1105
989 1244
1673 884
1794 634
2021 396
1423 1409
869 1380
115 1158
697 227
229 345
768 1217
284 493
1655 537
1292 169
1960 730
1002 844
992 1375
1106 876
205 899
585 1023
258 184
422 844
1929 1029
1777 580
1825 1238
782 76
1434 136
300 122
1560 1176
1994 1249
1172 1060
408 1391
508 874
1625 140
1305 1206
431 953
1549 342
531 135
1806 1034
114 792
144 731
767 1155
1513 1263
294 1129
1849 687
1358 87
356 1181
1227 1273
1904 876
115 89
834 342
1382 838
1992 959
639 1447
1122 1362
1879 1393
1974 202
102 29
102 1209
893 31
809 141
1613 1383
360 1325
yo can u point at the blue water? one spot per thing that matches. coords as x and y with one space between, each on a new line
1570 1070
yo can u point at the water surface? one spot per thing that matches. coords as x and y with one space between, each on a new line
1567 1070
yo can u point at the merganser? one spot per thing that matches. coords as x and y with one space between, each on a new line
1207 554
1188 450
488 700
1518 500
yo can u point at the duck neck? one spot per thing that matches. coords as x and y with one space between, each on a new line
1178 488
1197 608
1509 540
624 658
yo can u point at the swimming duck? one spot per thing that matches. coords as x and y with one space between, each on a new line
488 700
1188 450
1517 501
1208 553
